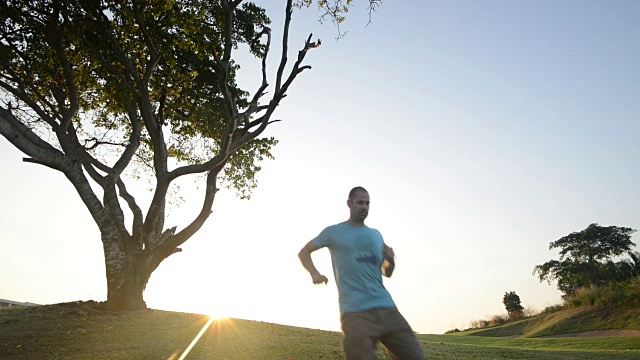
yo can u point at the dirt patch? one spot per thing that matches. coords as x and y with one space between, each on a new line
597 333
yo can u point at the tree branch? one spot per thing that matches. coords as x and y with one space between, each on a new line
223 64
104 23
301 55
205 211
40 162
279 94
21 94
54 37
43 153
285 46
28 142
96 142
154 56
138 217
24 83
134 141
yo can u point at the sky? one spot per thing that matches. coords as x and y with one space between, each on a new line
482 130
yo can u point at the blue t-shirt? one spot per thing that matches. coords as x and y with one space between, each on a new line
357 257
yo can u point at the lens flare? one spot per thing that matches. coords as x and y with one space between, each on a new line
195 340
220 324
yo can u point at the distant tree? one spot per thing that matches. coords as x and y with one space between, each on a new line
511 302
584 256
622 270
102 90
630 268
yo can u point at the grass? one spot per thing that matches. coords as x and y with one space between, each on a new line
470 347
577 344
567 321
79 331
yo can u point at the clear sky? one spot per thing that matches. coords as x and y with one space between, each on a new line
482 130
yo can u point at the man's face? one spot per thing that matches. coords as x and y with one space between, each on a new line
359 206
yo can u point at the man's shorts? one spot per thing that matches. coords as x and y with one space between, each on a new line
362 331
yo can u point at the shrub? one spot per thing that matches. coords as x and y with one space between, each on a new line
498 320
633 293
456 330
622 294
530 312
552 309
478 324
516 315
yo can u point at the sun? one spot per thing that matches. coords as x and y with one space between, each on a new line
218 314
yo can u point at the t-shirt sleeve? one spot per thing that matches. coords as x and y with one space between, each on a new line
324 239
381 238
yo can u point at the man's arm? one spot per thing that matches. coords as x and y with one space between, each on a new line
389 264
305 258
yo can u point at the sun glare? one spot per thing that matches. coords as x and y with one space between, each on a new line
218 314
219 323
195 339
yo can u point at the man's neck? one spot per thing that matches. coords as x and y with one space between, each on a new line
356 223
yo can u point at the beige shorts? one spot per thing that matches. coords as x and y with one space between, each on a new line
363 330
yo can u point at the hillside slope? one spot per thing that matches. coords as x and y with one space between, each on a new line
571 321
81 330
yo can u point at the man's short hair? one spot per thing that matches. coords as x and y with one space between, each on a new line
353 191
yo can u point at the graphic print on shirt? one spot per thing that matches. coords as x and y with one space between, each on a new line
365 246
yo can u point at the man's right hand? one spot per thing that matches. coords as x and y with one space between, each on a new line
319 278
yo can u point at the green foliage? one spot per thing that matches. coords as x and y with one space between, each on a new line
594 243
585 258
552 309
612 295
62 51
240 176
335 10
512 303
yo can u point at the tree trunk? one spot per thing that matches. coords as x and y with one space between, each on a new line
127 276
127 297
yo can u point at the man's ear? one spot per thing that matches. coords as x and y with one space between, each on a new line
349 203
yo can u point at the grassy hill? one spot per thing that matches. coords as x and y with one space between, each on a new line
571 321
80 331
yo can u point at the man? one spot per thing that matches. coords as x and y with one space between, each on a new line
359 257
